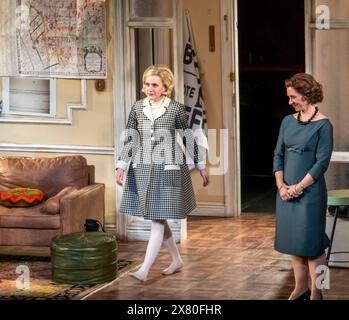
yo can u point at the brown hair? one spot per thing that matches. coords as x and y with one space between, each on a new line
307 86
164 73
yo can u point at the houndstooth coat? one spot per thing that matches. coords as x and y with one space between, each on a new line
158 185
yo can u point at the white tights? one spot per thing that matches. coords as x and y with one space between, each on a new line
170 244
160 233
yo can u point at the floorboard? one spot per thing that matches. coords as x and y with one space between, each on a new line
225 259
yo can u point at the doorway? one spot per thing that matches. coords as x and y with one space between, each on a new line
271 49
145 32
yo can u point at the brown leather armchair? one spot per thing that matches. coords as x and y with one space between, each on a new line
31 226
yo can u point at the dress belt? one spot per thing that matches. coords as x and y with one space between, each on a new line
297 150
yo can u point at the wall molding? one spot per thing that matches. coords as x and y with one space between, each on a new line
110 228
340 156
203 208
333 24
46 148
65 121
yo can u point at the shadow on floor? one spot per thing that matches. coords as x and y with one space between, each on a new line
258 194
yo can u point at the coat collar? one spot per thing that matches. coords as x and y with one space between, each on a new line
147 109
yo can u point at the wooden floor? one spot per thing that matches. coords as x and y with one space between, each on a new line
225 259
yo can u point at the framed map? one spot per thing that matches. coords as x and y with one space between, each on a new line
63 39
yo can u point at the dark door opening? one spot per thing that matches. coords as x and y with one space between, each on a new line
271 49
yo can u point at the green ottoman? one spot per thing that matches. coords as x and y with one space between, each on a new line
84 258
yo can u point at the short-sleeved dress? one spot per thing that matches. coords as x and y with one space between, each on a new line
301 222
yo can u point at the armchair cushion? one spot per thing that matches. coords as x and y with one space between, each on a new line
21 197
28 218
51 206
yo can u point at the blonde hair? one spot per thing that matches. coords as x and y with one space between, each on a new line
165 75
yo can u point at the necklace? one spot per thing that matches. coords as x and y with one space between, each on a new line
157 103
156 107
308 121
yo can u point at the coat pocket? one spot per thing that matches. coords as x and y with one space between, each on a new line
172 176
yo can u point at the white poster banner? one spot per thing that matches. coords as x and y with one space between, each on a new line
193 98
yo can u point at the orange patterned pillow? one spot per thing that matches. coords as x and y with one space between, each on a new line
21 197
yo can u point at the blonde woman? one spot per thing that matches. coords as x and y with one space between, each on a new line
158 184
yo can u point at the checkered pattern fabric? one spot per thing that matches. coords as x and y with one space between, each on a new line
158 185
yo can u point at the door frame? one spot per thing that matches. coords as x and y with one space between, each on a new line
123 96
231 106
120 102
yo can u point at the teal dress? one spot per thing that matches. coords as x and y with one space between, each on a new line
301 222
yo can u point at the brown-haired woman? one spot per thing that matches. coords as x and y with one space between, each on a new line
301 157
158 185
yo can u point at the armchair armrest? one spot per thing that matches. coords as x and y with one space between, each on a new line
86 203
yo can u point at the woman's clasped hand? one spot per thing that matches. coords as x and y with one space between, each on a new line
290 192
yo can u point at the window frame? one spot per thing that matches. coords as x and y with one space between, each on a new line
52 96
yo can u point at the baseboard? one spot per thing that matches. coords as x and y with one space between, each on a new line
139 230
209 210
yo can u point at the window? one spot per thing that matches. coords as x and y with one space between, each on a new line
29 96
151 46
151 9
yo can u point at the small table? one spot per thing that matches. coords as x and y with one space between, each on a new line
84 258
336 198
